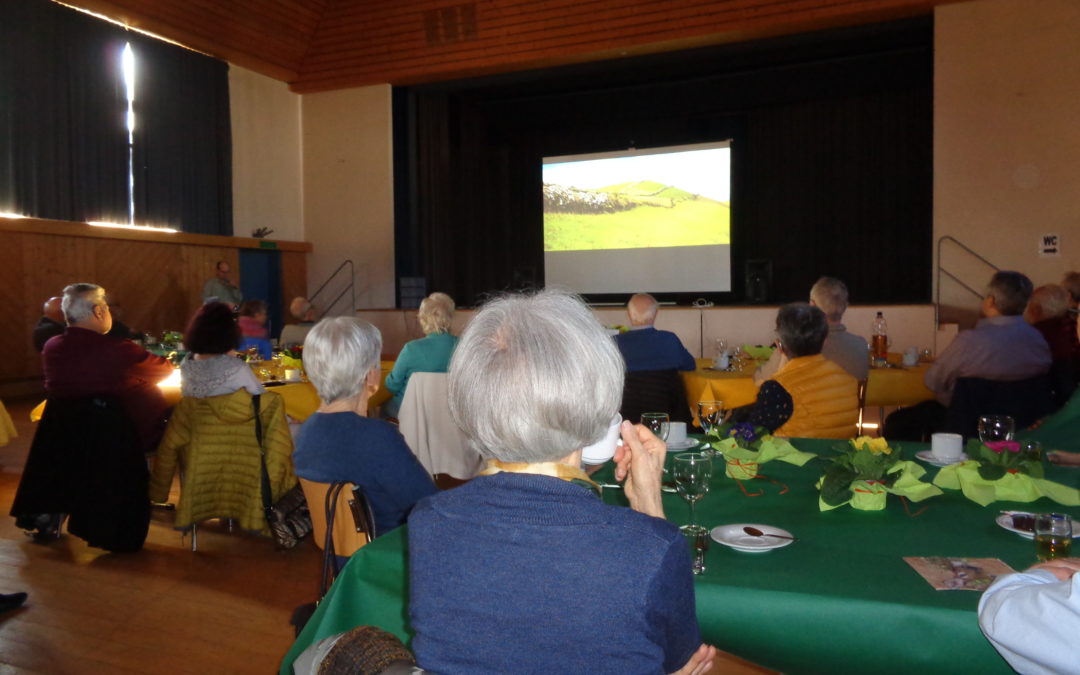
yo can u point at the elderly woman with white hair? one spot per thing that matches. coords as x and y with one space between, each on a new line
339 442
524 568
429 354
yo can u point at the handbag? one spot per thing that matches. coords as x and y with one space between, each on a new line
288 518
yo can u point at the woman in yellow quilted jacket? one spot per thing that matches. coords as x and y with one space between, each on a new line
810 396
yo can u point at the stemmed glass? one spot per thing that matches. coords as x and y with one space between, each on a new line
994 428
710 416
720 360
693 473
657 422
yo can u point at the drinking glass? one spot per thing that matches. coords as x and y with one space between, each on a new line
1053 536
710 414
994 428
1031 450
720 349
657 422
692 472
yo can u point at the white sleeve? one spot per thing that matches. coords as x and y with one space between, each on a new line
1033 620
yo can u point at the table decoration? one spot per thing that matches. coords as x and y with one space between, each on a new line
292 358
746 447
758 352
865 472
999 471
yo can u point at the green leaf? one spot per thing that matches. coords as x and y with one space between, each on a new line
836 486
991 471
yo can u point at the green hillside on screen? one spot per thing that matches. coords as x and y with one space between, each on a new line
639 214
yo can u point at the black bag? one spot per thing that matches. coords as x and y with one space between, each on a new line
289 519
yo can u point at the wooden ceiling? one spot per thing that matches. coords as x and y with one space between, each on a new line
319 45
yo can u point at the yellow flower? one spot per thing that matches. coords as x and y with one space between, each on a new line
877 446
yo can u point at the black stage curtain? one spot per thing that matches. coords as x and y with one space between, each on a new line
63 133
183 141
63 142
832 159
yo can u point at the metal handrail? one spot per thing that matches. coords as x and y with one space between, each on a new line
351 288
941 269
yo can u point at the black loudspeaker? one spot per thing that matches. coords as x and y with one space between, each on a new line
758 281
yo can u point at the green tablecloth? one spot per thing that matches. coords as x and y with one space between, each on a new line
841 599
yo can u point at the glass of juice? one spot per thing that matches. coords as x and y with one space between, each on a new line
1053 536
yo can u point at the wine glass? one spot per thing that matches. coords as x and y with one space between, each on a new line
692 472
720 348
994 428
657 422
710 414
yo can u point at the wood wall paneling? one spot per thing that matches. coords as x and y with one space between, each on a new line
156 283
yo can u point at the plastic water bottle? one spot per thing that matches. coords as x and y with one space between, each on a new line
879 343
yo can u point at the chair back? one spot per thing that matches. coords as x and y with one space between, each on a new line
85 460
655 391
1026 401
424 420
354 524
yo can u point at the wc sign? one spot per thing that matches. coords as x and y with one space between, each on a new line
1049 245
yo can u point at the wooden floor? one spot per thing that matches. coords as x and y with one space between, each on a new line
224 609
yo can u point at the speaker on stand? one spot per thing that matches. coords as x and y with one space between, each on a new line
759 280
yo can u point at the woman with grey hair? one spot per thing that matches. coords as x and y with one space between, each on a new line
512 571
339 442
429 354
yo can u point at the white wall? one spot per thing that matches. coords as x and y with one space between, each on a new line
1007 136
349 189
267 185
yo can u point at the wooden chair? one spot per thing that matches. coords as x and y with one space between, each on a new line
353 522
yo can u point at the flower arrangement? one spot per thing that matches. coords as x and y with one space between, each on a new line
998 458
1002 471
171 338
865 472
293 357
746 447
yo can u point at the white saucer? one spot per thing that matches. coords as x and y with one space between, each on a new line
688 443
928 457
1005 521
736 538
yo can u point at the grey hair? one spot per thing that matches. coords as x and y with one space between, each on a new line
1053 299
80 300
642 315
339 352
1011 291
436 313
831 295
299 307
534 378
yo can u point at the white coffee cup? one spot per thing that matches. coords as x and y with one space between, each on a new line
946 447
676 433
911 357
604 449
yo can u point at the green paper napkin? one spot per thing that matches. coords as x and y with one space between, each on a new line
1012 487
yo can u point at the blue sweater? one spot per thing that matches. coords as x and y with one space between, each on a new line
370 453
651 349
429 354
520 573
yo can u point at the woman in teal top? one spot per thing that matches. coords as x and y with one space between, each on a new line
429 354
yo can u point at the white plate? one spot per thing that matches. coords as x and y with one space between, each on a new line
688 443
928 457
736 538
1005 521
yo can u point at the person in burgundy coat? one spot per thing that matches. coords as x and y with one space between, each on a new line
84 361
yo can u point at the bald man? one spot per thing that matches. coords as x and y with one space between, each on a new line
645 348
50 324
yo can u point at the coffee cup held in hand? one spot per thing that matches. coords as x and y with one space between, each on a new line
604 449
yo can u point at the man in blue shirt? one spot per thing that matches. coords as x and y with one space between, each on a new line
645 348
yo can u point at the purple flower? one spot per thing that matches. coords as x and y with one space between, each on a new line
1001 446
743 431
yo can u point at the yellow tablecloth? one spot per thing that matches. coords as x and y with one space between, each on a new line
300 399
885 387
7 427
